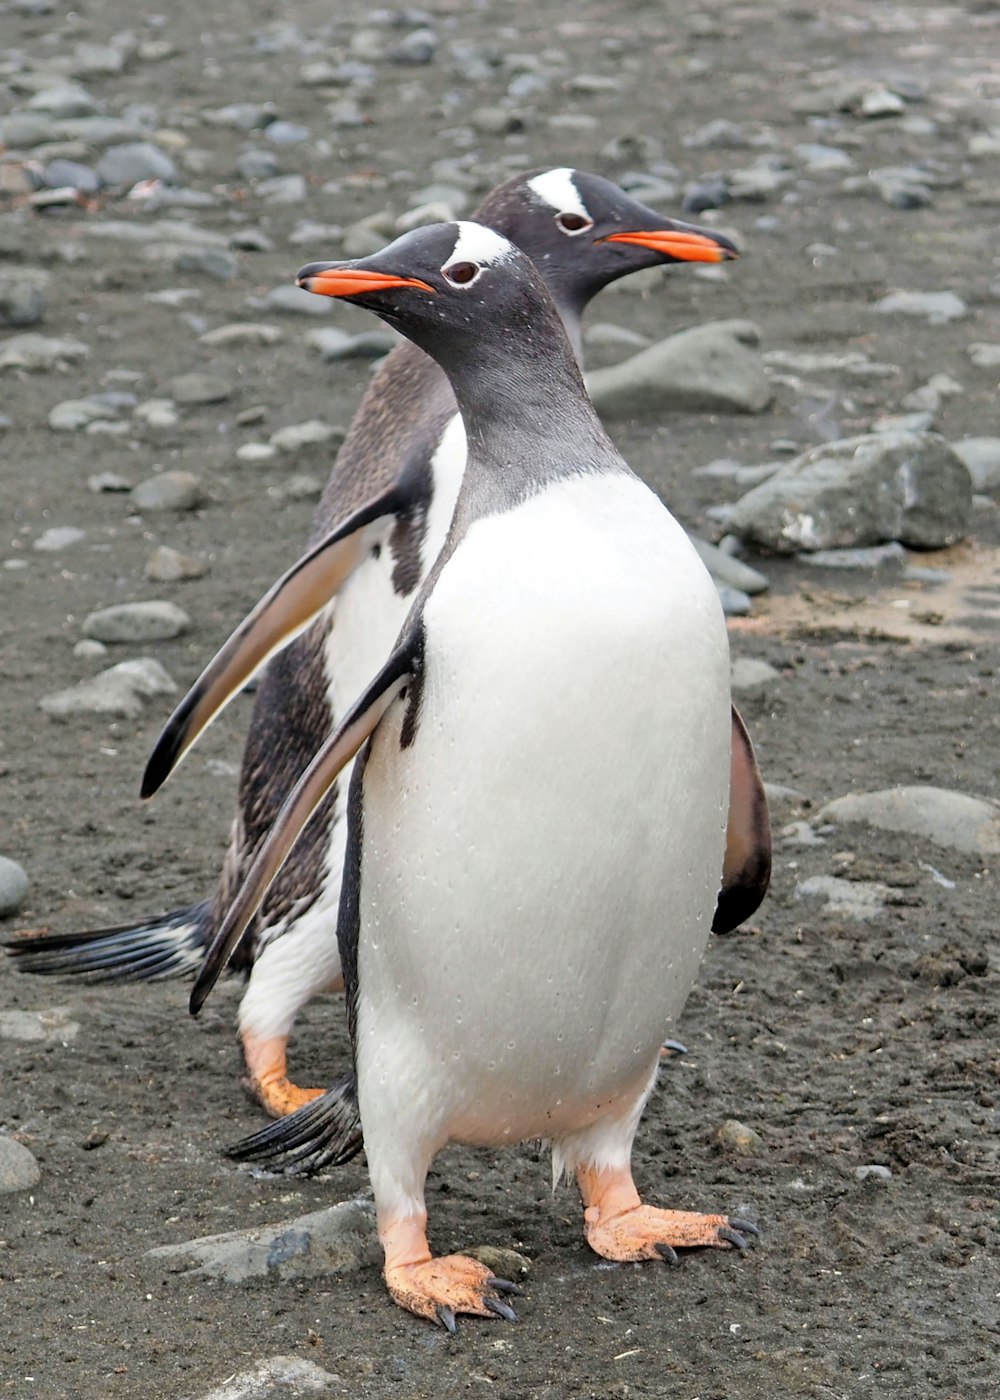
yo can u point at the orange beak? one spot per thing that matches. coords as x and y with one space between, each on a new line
331 280
679 244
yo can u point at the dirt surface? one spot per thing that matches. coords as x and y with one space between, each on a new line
840 1043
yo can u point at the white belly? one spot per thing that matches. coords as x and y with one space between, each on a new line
540 866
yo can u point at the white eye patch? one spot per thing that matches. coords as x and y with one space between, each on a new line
478 244
556 189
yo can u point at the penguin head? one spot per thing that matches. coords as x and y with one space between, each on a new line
448 287
584 232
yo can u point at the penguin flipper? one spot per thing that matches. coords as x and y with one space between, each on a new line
282 614
301 804
746 870
324 1133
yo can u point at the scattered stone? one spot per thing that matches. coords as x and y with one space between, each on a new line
736 1138
750 673
88 648
301 487
880 102
198 388
724 568
273 1378
922 422
984 354
930 396
496 121
242 333
108 481
735 603
800 834
982 460
365 345
295 301
40 353
298 436
154 621
126 165
875 557
283 189
873 1172
23 296
54 1025
603 333
852 899
174 490
255 454
208 262
860 491
502 1263
950 819
58 538
334 1241
157 413
416 49
19 1170
716 368
779 795
167 565
937 307
122 690
14 886
73 414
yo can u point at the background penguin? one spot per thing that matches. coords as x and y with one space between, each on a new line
405 453
537 822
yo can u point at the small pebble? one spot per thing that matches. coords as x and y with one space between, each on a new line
167 565
14 887
175 490
19 1171
873 1172
735 1137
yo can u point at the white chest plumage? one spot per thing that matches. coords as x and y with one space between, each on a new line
540 866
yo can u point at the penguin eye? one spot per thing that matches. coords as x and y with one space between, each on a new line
461 274
574 223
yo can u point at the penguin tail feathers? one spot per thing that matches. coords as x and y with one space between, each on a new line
172 945
323 1133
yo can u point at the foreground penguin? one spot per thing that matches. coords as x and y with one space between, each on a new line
537 817
403 460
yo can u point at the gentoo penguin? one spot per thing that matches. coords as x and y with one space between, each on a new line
537 818
404 452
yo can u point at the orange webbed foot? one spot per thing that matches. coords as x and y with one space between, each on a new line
645 1232
281 1097
266 1077
440 1288
618 1226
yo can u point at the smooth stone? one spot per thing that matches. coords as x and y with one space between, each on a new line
338 1240
54 1025
88 649
298 436
108 481
121 690
853 899
716 368
242 116
982 460
735 1137
880 102
860 491
750 673
24 130
58 538
258 165
873 1172
819 158
23 298
242 333
725 569
62 174
73 414
950 819
984 354
276 1377
19 1171
167 565
14 886
330 341
735 603
155 621
157 413
938 308
921 422
198 388
418 48
365 345
128 164
256 453
874 557
175 490
217 263
301 487
615 337
283 189
780 795
800 834
65 100
502 1263
40 352
719 133
296 301
284 133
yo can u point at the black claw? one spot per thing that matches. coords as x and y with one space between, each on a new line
446 1318
502 1309
666 1253
744 1226
503 1285
737 1241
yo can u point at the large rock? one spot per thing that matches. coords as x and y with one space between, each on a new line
950 819
121 690
19 1170
909 487
716 368
278 1377
333 1241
